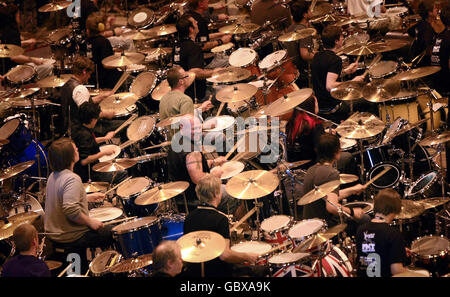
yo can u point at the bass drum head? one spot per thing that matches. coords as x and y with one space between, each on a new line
389 179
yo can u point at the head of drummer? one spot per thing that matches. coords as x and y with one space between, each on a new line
332 37
427 10
387 204
300 11
95 25
198 5
209 190
83 68
63 154
26 240
89 114
191 127
178 79
187 27
445 15
328 148
167 259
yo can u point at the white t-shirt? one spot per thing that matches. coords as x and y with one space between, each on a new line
80 94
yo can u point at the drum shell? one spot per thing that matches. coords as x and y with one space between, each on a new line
286 71
131 209
404 105
289 269
436 262
172 226
99 271
426 186
296 240
279 234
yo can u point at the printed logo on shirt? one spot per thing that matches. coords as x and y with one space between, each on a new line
368 246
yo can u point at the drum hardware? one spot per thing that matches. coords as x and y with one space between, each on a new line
133 266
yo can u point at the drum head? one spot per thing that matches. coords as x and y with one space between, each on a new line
274 223
141 18
141 128
389 179
102 262
117 151
305 228
430 246
143 84
105 214
288 258
365 206
162 89
273 60
422 183
135 225
383 68
20 74
346 143
242 57
256 247
133 186
8 128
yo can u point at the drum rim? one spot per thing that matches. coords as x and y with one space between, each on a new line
266 254
109 207
360 202
432 256
91 265
177 215
391 163
136 194
152 86
146 225
288 263
255 59
281 62
23 80
281 228
324 225
409 193
146 23
385 74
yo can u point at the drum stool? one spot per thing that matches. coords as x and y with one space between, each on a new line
59 251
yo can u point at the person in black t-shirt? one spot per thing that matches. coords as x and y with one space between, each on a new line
326 69
381 248
208 218
441 55
26 264
167 261
328 152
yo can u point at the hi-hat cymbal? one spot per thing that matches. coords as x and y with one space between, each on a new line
297 35
435 140
252 184
381 90
19 94
132 264
54 6
119 102
123 59
93 187
239 28
229 75
231 168
360 125
14 170
10 50
201 246
114 165
319 238
349 90
434 202
410 209
54 81
162 193
161 30
236 93
319 192
347 178
288 102
417 73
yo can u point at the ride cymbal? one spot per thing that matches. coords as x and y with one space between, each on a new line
236 93
434 202
10 50
347 91
14 170
381 90
201 246
239 28
297 35
19 94
54 81
435 140
417 73
229 75
123 59
410 209
252 184
288 102
114 165
360 125
54 6
119 102
162 193
319 192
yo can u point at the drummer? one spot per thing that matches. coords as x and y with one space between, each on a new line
167 261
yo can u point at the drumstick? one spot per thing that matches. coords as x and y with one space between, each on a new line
220 108
244 218
126 144
374 61
120 81
65 270
279 247
118 221
87 272
377 176
158 145
234 147
118 185
126 123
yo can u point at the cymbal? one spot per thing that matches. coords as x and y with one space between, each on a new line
297 35
7 229
54 6
417 73
288 102
321 10
363 49
360 125
296 164
19 94
162 193
231 168
161 30
409 127
329 18
394 44
435 140
319 192
93 187
169 121
54 81
434 202
153 54
52 265
317 240
236 93
347 178
132 264
252 184
410 209
410 273
3 142
29 216
122 59
14 170
114 165
57 35
201 246
239 28
118 102
381 90
229 75
137 35
162 89
10 50
26 103
349 90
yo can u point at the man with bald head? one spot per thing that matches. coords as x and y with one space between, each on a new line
167 261
26 263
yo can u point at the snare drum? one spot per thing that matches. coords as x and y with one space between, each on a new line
245 58
255 247
289 265
137 237
101 264
162 89
129 191
223 50
172 226
427 186
20 74
141 128
305 229
383 69
403 105
117 151
278 65
105 214
431 252
143 84
275 229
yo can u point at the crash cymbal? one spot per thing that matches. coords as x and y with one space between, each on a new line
162 193
153 54
3 142
201 246
236 93
360 125
52 265
93 187
7 229
14 170
395 44
336 229
162 89
297 35
114 165
410 209
288 102
435 140
347 91
417 73
54 6
161 30
329 18
140 128
229 75
137 35
239 28
319 192
381 90
10 50
19 94
434 202
230 169
123 59
252 184
363 49
347 178
54 81
26 103
132 264
119 103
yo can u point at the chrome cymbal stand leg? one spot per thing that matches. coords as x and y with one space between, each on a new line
363 179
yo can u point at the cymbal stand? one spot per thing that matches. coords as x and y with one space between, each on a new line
266 88
34 133
339 209
317 116
363 179
441 148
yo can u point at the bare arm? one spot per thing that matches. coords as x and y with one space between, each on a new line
202 73
231 256
92 158
194 166
332 81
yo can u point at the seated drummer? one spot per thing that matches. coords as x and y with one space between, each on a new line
326 69
209 218
88 145
66 203
167 261
328 151
26 263
380 246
